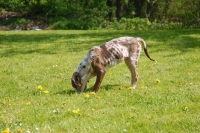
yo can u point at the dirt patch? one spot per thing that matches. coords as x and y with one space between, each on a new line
11 21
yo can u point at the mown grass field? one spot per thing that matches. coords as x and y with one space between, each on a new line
167 97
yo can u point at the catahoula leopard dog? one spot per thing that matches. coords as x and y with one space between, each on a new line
99 58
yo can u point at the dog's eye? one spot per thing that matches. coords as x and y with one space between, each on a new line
83 67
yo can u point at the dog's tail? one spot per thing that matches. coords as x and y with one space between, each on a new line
145 47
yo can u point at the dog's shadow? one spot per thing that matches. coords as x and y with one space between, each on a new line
90 89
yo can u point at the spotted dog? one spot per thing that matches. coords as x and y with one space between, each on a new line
99 58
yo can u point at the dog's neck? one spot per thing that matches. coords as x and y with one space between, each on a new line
85 70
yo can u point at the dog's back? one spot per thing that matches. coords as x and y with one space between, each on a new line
116 50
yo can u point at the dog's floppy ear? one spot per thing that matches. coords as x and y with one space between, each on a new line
76 79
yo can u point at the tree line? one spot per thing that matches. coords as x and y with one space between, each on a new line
84 14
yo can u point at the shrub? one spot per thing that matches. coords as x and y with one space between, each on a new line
139 24
64 23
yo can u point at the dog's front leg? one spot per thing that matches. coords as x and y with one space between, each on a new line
100 76
99 70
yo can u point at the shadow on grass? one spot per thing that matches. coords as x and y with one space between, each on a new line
177 39
53 42
90 89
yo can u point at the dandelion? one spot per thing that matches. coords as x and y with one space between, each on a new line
158 81
46 92
75 111
87 96
39 87
186 108
130 88
19 131
6 131
28 103
4 102
93 93
142 87
60 75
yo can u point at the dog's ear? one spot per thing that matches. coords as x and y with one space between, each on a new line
76 79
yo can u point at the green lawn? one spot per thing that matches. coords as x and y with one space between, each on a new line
29 59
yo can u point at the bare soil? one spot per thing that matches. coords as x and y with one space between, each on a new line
13 16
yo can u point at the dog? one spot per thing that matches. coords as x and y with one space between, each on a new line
102 57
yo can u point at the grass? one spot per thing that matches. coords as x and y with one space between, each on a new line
48 58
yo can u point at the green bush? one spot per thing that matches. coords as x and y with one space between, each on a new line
166 25
139 24
64 23
15 22
13 5
22 21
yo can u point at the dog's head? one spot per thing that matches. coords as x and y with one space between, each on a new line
76 82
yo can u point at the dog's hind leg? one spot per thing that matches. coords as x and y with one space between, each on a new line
132 65
131 61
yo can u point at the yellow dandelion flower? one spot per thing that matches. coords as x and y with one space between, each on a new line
4 102
87 96
158 81
93 93
6 131
130 88
75 111
39 87
142 87
60 75
19 131
46 92
186 108
28 103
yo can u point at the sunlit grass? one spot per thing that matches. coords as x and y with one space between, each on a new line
36 93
